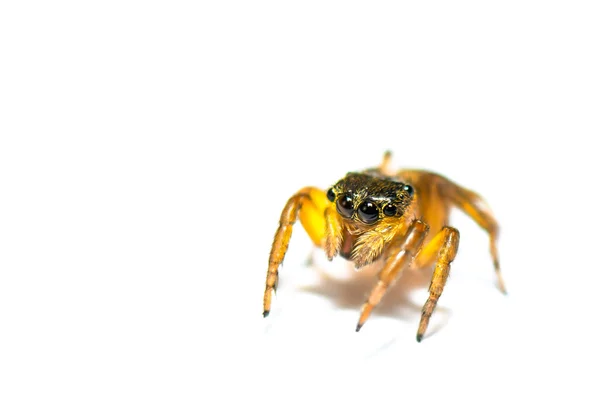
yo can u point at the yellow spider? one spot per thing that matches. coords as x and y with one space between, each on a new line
402 217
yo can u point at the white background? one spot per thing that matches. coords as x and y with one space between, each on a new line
147 149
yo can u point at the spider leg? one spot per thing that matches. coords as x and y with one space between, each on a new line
386 163
476 208
401 255
444 245
310 205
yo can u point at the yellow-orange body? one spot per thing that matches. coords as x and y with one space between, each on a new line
401 216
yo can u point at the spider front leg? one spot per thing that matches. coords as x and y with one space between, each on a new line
312 207
445 245
399 256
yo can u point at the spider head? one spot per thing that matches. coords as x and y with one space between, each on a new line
369 198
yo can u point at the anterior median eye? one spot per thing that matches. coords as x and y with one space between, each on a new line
345 206
368 212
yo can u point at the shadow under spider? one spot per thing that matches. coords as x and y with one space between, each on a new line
351 292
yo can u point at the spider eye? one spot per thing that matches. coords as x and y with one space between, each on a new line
345 206
368 212
409 189
330 195
389 210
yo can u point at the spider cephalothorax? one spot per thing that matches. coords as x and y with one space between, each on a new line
368 198
401 217
372 210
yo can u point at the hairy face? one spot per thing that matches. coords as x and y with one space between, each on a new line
369 198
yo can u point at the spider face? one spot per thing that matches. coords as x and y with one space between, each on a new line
369 198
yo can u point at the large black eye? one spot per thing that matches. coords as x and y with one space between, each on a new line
330 195
345 206
368 212
409 189
390 210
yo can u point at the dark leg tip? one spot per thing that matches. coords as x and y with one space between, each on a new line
419 337
266 313
358 327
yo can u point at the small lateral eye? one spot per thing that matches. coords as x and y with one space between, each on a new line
368 212
345 206
409 189
389 210
330 195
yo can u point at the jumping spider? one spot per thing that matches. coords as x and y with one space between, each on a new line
402 217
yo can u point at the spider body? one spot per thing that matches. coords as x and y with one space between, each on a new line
400 216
